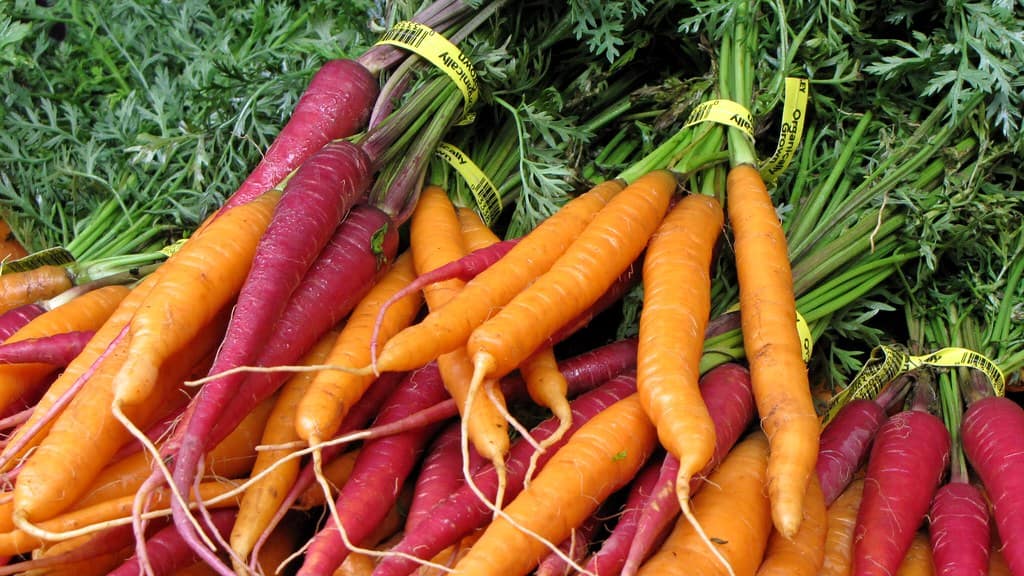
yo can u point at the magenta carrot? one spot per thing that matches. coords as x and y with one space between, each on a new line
167 550
57 349
574 547
313 203
359 252
846 440
993 439
958 528
611 557
440 474
108 541
909 456
12 320
462 511
336 104
728 397
378 475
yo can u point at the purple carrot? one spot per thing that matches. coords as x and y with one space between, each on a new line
462 511
360 251
58 349
168 552
575 547
12 320
908 458
440 474
611 556
465 269
378 474
846 440
336 104
108 541
729 400
993 439
313 203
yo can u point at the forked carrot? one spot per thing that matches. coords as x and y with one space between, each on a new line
842 519
601 457
435 237
733 509
197 282
331 393
441 332
805 553
86 312
772 345
19 288
606 247
262 498
677 305
547 387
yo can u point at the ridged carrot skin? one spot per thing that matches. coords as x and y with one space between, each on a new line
589 266
601 457
20 288
199 280
733 509
772 345
959 530
494 287
677 304
86 312
805 553
842 519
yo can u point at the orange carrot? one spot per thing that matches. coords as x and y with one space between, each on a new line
548 387
83 438
262 498
606 247
435 237
475 233
997 565
19 288
447 330
10 247
601 457
336 472
86 312
198 281
733 510
768 320
104 514
331 393
842 518
677 304
918 561
32 431
805 553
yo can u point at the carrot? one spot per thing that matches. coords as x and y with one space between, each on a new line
805 553
378 475
918 561
574 547
997 565
60 470
335 104
55 350
910 450
605 248
103 515
12 320
733 509
845 444
197 282
10 247
725 390
87 312
331 393
547 387
464 510
336 473
992 431
611 556
441 332
677 305
440 474
601 457
20 288
958 529
263 497
87 548
168 551
842 518
768 319
314 201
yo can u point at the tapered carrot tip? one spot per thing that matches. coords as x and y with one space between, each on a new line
135 380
